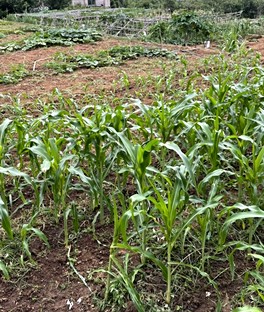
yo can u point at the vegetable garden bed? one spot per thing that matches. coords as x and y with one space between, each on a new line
157 162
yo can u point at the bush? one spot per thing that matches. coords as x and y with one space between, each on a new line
185 28
249 8
57 4
11 6
20 6
160 32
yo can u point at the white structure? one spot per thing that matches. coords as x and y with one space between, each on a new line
104 3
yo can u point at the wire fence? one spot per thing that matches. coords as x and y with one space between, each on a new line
112 22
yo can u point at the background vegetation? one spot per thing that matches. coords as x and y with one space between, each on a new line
18 6
250 8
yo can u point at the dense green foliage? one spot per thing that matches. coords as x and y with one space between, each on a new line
51 37
19 6
57 4
183 28
249 8
180 179
113 57
193 161
15 75
10 6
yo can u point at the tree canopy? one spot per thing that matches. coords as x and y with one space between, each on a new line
19 6
249 8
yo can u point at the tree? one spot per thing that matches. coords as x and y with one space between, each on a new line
20 6
57 4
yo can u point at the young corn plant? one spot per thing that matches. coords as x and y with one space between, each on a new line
96 152
6 220
4 128
54 169
137 160
121 229
169 210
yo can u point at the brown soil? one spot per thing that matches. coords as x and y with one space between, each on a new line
51 283
13 38
82 81
257 45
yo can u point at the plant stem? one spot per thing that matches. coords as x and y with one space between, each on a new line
168 292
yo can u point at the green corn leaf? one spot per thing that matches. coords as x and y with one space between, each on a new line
137 198
129 286
4 270
13 172
147 255
65 159
41 151
258 276
253 212
45 166
214 174
206 129
150 145
128 146
259 258
84 178
231 265
184 158
3 128
259 160
201 272
80 174
243 246
183 105
55 154
191 218
25 247
5 219
40 235
246 138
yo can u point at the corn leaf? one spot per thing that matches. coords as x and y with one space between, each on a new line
4 270
5 219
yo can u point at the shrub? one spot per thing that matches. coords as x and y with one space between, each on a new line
10 6
183 28
249 8
57 4
19 6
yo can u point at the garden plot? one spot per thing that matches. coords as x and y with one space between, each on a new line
92 81
159 158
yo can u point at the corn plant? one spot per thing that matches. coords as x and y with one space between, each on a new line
3 150
137 159
26 233
97 152
15 174
54 167
5 219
